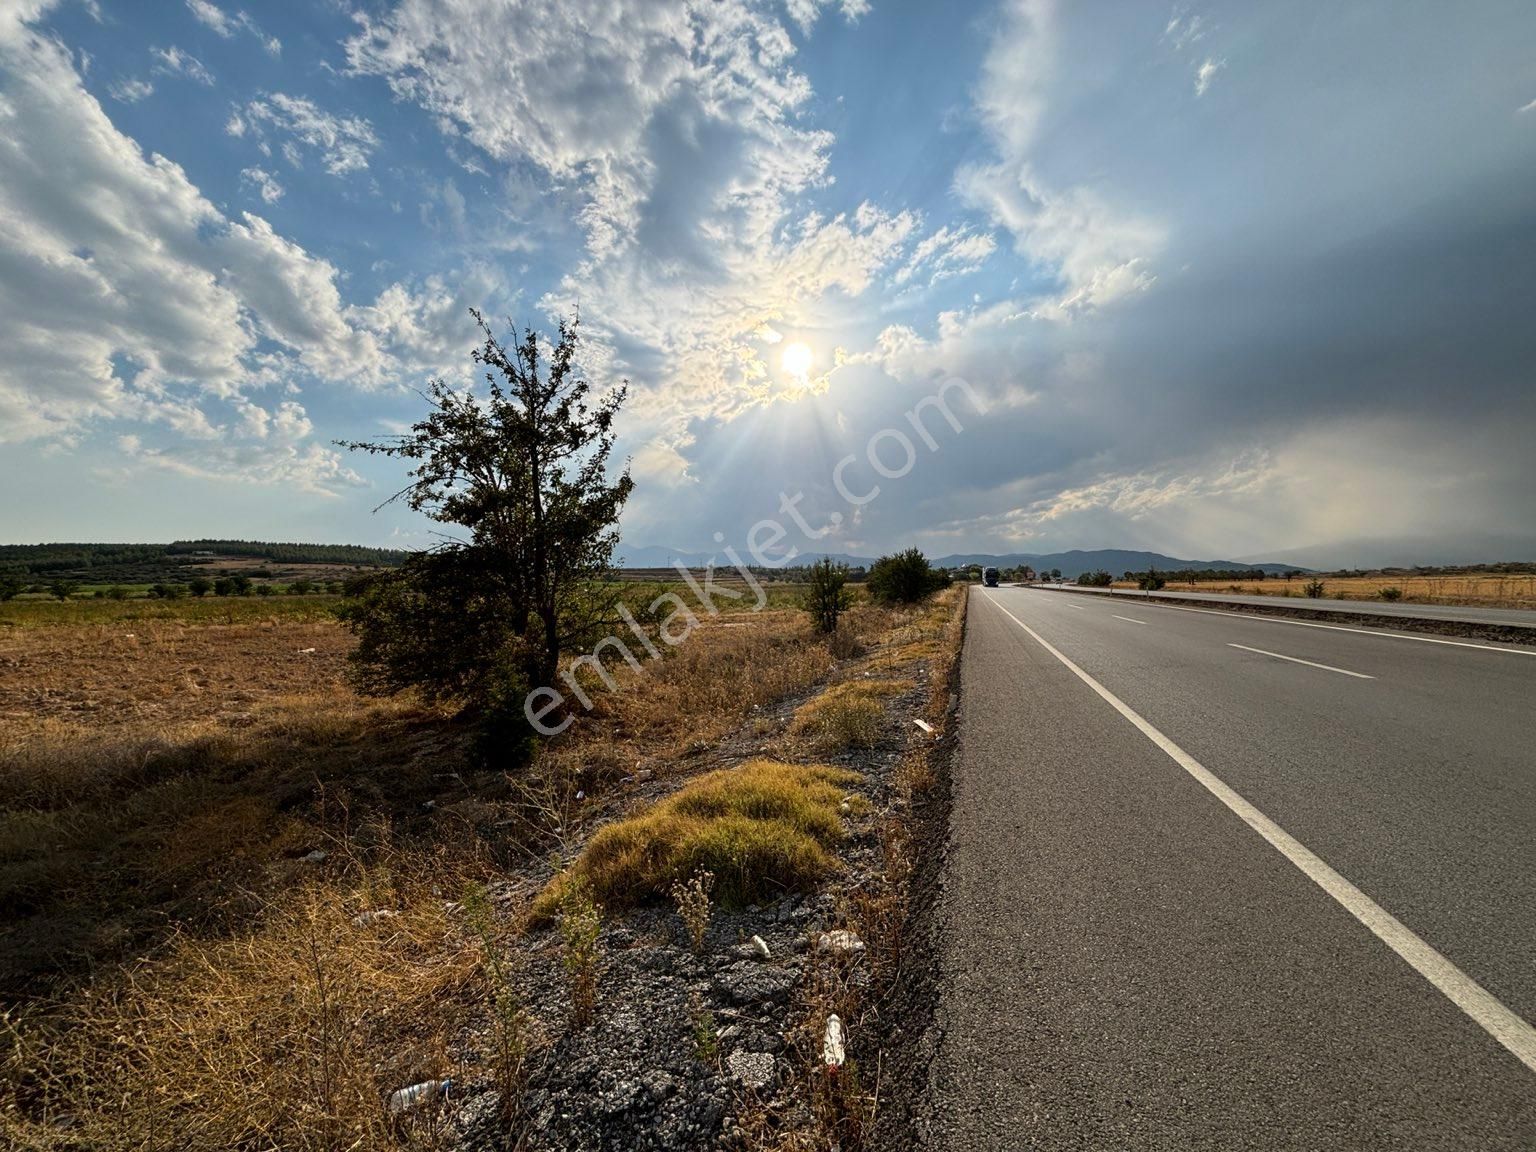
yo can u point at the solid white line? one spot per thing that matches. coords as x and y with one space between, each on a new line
1471 997
1127 619
1308 663
1238 611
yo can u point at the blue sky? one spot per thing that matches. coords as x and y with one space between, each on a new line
1222 279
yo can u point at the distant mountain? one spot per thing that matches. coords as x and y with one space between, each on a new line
651 556
1112 560
1072 563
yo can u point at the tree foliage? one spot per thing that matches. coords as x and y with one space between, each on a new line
905 578
826 598
524 470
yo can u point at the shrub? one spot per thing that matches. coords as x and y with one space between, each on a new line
692 900
581 922
1314 589
905 578
762 829
1099 579
1390 594
200 586
827 598
1150 581
63 589
10 588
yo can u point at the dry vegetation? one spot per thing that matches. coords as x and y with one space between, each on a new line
1486 590
760 830
232 886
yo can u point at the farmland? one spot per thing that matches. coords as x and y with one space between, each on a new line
1488 589
199 818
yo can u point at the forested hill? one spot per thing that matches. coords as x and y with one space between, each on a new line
152 561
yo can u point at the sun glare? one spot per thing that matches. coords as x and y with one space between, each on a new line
797 360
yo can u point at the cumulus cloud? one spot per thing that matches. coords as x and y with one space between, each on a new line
125 295
678 130
344 143
1097 250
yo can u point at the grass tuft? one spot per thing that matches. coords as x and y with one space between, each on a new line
846 715
762 829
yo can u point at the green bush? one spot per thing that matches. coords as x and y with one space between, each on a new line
904 578
1391 594
826 597
1099 579
1313 589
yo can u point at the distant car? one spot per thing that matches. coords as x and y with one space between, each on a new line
989 577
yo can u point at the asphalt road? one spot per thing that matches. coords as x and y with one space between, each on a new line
1131 960
1501 617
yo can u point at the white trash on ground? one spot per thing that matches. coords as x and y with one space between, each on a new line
840 942
832 1044
427 1092
760 946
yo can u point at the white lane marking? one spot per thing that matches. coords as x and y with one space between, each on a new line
1467 994
1308 663
1339 628
1079 607
1127 619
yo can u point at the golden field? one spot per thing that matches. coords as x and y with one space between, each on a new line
1478 589
198 812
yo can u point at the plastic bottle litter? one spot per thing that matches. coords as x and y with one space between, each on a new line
427 1092
760 946
832 1043
373 916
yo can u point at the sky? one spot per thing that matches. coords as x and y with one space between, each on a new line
1217 280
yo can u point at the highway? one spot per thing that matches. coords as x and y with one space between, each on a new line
1219 881
1460 613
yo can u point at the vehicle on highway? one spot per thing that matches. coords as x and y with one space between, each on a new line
989 577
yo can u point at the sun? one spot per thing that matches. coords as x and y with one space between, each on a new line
797 360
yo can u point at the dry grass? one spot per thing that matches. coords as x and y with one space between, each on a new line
289 1036
705 687
166 768
846 715
762 829
1487 590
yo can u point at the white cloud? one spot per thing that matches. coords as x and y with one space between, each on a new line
174 62
1097 251
950 251
213 16
269 189
126 296
1207 73
1183 30
1531 107
130 91
226 25
344 142
805 12
677 131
